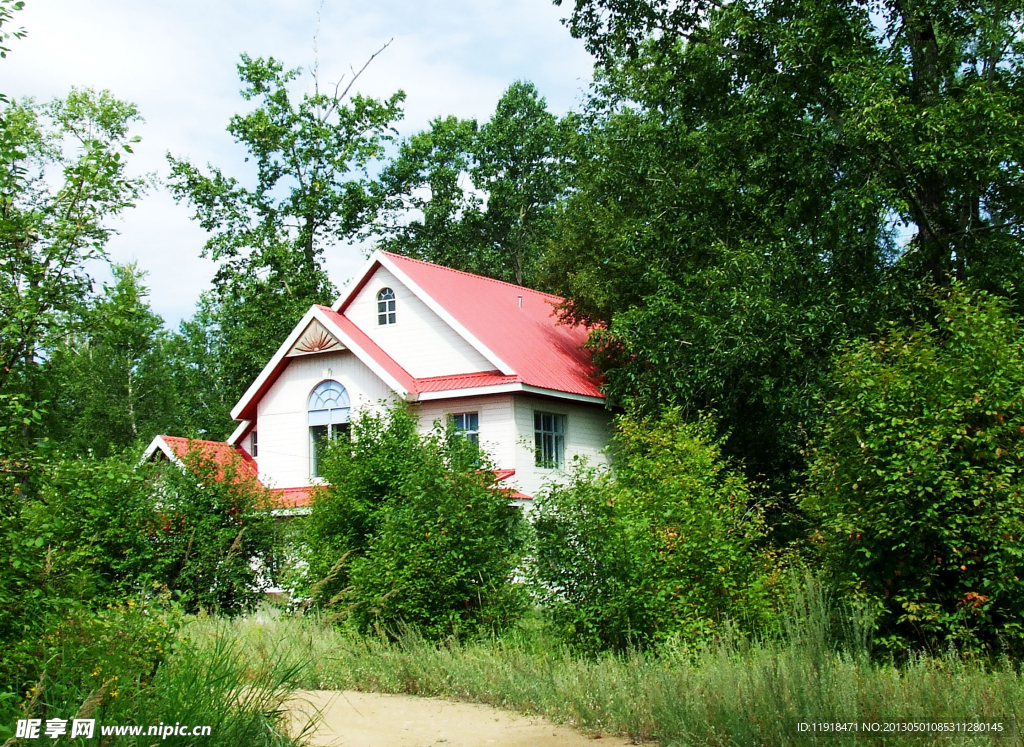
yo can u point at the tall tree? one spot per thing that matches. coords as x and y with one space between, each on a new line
196 357
428 206
310 193
109 382
480 199
919 99
748 175
518 163
63 175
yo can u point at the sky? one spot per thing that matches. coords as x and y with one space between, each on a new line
175 59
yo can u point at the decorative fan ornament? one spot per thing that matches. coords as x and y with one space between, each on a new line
315 339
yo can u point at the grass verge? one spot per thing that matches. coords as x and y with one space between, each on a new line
731 693
136 667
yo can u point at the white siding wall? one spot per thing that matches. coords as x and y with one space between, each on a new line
283 454
497 423
420 342
587 432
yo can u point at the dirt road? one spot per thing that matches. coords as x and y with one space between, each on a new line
354 719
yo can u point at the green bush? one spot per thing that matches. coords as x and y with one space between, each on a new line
671 543
215 537
102 533
412 530
916 480
113 528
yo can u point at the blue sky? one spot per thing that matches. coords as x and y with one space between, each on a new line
176 60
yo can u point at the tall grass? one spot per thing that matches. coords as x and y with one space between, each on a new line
734 692
134 667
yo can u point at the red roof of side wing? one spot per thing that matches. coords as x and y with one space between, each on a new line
225 456
528 337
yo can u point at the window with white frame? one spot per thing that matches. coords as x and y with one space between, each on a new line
328 416
468 425
252 441
549 433
386 307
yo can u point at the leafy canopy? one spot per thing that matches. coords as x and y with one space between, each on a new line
916 485
478 198
309 194
63 176
108 382
757 181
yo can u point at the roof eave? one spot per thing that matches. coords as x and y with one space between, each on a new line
506 388
240 432
360 280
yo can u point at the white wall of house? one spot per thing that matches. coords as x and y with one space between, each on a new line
420 341
587 433
283 456
496 418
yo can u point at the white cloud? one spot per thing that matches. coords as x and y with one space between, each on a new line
176 59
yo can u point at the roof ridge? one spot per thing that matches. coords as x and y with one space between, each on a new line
472 275
200 441
469 374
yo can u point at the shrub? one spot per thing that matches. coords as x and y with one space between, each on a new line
99 531
214 535
93 556
916 480
668 544
127 664
412 530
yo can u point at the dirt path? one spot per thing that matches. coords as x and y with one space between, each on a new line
354 719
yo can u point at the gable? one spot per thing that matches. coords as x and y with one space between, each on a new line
419 341
517 326
315 339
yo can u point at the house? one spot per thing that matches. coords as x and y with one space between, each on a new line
491 357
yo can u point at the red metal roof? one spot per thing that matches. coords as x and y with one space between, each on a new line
371 348
517 324
463 381
293 497
243 464
223 454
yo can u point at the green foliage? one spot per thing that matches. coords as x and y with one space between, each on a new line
516 161
129 664
7 9
412 530
62 177
757 182
519 153
197 359
102 530
430 176
916 486
311 159
109 382
215 535
671 543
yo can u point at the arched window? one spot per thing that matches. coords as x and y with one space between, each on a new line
386 307
328 413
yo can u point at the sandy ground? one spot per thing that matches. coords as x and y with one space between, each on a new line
354 719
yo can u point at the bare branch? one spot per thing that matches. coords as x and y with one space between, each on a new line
366 65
